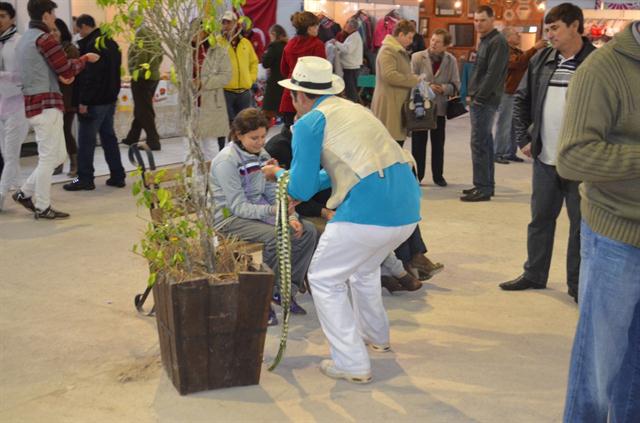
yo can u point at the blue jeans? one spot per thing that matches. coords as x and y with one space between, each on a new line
237 102
505 145
482 117
604 377
98 120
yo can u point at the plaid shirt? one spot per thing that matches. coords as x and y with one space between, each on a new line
57 60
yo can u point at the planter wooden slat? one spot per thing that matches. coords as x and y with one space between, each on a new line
212 333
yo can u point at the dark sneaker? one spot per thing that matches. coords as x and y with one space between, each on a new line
118 183
26 202
441 182
78 185
273 319
470 190
501 160
128 142
50 213
294 307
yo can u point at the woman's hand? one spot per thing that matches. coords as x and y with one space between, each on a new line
437 88
298 228
292 206
270 170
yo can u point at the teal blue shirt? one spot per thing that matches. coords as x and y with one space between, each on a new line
391 200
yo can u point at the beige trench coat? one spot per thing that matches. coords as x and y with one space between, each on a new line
394 81
213 120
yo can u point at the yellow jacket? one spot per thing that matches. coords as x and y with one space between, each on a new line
244 64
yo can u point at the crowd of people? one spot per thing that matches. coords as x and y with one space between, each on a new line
564 104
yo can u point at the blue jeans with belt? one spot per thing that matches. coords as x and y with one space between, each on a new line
604 377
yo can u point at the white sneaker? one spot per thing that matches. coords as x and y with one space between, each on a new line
328 367
379 348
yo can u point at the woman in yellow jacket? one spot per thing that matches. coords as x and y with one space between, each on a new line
244 65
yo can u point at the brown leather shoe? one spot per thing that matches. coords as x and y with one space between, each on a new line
409 282
391 284
425 266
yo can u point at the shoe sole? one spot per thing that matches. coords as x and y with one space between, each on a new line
80 189
522 289
360 380
475 200
378 348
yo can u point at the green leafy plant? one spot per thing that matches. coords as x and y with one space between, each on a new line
177 26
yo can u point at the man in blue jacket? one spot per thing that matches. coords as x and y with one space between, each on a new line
377 203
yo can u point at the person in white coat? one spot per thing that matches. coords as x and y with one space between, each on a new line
13 122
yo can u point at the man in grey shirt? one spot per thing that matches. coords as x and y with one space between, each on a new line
486 86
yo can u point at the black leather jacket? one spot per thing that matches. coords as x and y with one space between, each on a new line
531 93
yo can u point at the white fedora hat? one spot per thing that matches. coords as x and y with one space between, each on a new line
314 75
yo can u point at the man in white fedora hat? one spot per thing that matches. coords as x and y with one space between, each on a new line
377 202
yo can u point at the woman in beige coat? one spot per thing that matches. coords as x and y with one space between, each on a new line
212 117
440 70
394 79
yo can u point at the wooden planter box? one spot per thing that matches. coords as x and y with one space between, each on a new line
212 333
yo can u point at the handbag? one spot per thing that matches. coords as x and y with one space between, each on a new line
455 108
417 121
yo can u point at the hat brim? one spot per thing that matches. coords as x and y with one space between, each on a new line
337 86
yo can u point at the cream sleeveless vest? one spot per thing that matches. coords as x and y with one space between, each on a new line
356 144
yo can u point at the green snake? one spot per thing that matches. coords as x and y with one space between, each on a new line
283 247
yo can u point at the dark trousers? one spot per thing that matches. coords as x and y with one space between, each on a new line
412 246
237 102
549 191
98 120
482 118
350 77
69 139
144 117
419 149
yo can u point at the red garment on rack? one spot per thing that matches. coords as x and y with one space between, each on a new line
384 27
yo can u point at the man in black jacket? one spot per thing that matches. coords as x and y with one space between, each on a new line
98 86
486 86
538 113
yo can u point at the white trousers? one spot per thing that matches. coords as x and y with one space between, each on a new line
353 252
209 147
13 131
48 127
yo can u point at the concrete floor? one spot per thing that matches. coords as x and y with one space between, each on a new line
73 349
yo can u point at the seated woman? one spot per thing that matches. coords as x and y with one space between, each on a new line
245 200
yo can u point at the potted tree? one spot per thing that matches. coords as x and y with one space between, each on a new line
212 301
